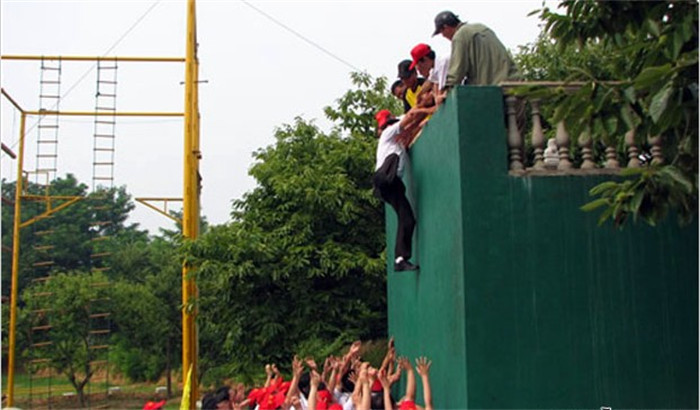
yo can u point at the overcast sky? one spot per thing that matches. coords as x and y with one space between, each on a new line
264 63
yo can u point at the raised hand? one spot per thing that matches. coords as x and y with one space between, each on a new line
423 366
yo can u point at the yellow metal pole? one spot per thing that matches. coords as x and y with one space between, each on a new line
88 58
190 217
15 266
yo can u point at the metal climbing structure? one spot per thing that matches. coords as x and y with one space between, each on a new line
103 179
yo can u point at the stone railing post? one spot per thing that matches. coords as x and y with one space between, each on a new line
657 156
611 157
537 135
585 141
632 150
563 145
515 141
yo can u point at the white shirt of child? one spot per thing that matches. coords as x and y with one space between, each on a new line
387 145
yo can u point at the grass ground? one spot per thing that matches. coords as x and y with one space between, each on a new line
56 392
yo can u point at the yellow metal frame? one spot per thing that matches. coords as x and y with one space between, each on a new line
190 202
164 210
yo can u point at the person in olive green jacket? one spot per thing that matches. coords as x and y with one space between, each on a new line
478 56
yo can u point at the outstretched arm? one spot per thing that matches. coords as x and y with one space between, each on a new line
423 368
410 379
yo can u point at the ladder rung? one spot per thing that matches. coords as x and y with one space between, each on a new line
50 82
44 279
47 126
51 68
107 82
103 178
43 247
100 255
47 141
96 315
39 361
40 233
41 294
97 362
104 135
100 269
104 149
102 223
99 332
103 163
105 108
42 344
106 95
49 96
42 170
46 155
45 263
45 327
105 122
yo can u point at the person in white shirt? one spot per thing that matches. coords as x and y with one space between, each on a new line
394 135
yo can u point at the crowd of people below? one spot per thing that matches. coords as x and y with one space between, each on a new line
477 58
343 383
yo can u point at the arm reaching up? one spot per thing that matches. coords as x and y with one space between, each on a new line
423 368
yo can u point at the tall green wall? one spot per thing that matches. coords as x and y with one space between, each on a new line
522 300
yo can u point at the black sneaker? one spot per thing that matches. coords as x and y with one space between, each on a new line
404 265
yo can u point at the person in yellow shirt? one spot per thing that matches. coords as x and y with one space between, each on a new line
413 84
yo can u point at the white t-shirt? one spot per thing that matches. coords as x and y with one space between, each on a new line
387 145
438 74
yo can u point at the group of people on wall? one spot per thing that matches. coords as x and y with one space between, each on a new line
477 58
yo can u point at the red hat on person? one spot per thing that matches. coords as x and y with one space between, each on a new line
256 395
382 117
418 52
154 405
377 386
323 400
272 401
407 405
335 406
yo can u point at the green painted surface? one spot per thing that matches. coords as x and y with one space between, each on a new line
522 301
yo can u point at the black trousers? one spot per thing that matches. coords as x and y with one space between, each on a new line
392 191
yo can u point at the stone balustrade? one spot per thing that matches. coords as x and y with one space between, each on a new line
534 158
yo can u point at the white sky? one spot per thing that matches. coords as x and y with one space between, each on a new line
259 75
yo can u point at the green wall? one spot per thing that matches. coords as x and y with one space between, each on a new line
522 300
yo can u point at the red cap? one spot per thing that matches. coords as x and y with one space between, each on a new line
407 405
272 401
382 117
335 406
256 395
377 386
418 52
153 405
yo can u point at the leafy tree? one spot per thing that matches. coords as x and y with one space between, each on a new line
302 259
69 238
651 56
69 350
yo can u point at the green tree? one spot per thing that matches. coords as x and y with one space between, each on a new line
72 295
641 74
302 259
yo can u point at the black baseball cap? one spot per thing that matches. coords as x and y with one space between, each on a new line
405 69
445 18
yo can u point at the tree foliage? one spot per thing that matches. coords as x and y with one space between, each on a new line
641 74
302 260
